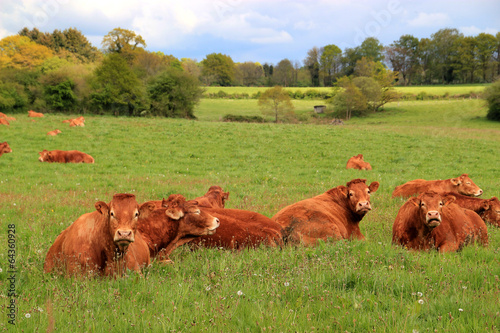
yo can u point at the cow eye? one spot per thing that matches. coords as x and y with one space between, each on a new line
369 192
136 214
112 214
422 204
441 203
351 194
468 183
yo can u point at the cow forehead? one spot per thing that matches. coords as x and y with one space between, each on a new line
430 198
124 204
358 187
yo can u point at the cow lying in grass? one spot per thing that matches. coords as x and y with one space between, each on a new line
5 148
487 209
357 162
334 214
64 156
433 221
461 185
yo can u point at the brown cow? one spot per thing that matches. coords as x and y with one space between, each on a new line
5 148
334 214
242 229
65 156
461 185
77 122
103 242
54 132
178 221
4 121
4 116
357 162
214 198
34 114
434 221
487 209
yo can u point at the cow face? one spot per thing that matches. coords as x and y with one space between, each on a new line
218 193
491 213
192 220
358 195
122 214
430 205
466 186
44 156
5 148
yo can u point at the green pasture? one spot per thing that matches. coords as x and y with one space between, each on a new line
438 90
335 287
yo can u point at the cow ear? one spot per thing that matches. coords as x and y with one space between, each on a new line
225 196
344 190
374 186
174 213
456 181
146 208
448 199
486 204
102 207
415 201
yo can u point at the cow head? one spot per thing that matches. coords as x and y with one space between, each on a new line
192 220
218 194
466 186
430 205
357 194
45 156
491 213
122 214
5 148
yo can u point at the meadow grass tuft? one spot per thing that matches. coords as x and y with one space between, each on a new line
336 286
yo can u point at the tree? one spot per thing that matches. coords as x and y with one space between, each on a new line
403 57
250 73
312 63
174 93
486 46
275 102
330 63
348 98
218 69
371 49
116 87
283 73
467 52
492 96
121 40
444 53
20 52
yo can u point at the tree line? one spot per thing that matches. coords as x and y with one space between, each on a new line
62 71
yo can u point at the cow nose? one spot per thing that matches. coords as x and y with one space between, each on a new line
433 214
217 221
124 234
480 192
364 205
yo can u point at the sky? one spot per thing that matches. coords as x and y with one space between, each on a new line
251 30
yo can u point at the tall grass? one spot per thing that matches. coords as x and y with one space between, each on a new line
336 286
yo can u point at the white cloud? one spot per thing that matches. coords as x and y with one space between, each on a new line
474 31
430 20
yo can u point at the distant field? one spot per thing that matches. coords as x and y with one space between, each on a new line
431 90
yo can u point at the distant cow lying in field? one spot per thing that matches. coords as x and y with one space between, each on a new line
64 156
487 209
433 221
54 132
357 162
34 114
334 214
103 242
241 229
5 148
4 121
461 185
80 121
176 223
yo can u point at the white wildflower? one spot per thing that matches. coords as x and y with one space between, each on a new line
239 293
420 301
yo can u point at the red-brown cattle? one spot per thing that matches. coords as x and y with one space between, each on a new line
78 122
54 132
34 114
214 198
487 209
5 148
4 116
79 119
461 185
433 221
103 242
242 229
65 156
334 214
357 162
4 121
178 221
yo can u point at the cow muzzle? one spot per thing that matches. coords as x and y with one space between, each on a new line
123 238
215 225
433 219
363 207
478 193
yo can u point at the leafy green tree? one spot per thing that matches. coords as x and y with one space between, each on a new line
275 102
21 53
486 47
312 62
250 73
121 40
444 48
330 63
348 99
371 49
174 93
218 69
116 87
283 73
467 52
403 57
492 96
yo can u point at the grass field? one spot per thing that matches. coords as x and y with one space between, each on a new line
439 90
343 286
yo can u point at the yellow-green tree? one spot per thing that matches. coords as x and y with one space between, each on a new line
275 102
21 53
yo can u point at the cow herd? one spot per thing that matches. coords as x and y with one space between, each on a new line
123 234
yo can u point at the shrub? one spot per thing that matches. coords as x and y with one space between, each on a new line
492 96
243 119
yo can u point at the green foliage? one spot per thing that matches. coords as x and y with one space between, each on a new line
174 93
276 102
218 69
492 96
243 119
60 97
12 97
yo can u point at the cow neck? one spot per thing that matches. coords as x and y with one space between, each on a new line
474 204
111 252
158 229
